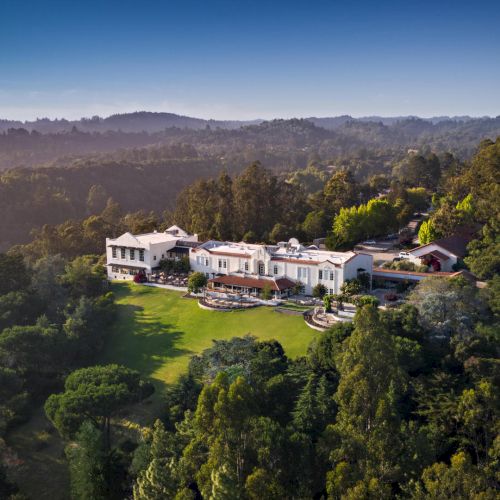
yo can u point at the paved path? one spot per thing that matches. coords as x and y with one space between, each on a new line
167 287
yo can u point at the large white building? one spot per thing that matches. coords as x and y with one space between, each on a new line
242 267
248 268
131 254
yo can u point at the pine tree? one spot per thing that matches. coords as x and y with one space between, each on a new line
87 464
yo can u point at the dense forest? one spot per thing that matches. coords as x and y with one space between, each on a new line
278 143
401 403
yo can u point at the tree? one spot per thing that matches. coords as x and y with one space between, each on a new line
196 282
85 276
427 232
157 480
96 199
447 306
87 464
319 291
366 434
484 252
351 287
14 275
314 224
96 394
267 292
460 479
340 191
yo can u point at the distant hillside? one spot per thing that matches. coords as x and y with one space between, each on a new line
141 121
146 121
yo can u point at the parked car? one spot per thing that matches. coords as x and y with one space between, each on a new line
369 242
404 255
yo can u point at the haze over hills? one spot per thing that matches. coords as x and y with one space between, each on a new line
150 122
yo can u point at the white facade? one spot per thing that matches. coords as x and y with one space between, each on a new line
291 260
129 254
446 258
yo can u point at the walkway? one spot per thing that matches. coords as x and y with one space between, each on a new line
167 287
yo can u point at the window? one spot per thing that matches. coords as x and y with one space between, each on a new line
206 261
302 273
320 274
246 266
330 291
154 257
123 253
115 269
141 255
275 269
162 255
224 263
132 254
331 275
220 263
262 269
113 252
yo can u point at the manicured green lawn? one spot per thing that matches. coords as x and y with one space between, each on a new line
158 330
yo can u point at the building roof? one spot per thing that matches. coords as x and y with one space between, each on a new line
411 273
440 255
173 235
455 244
245 281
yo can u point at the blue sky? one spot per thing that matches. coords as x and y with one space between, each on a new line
249 59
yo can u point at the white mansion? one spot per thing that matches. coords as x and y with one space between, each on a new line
131 254
242 267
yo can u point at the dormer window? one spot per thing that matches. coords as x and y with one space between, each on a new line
132 254
123 253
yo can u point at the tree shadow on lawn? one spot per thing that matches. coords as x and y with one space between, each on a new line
142 342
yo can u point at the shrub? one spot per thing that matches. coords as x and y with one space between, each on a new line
196 282
351 287
298 288
327 302
319 291
364 300
391 297
267 293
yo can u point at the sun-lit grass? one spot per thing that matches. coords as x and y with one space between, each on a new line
158 330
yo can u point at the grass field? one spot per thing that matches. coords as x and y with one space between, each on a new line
158 330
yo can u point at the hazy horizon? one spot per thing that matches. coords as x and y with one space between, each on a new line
199 116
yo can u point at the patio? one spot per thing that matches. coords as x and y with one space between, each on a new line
174 279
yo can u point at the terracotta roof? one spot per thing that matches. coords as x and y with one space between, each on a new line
414 273
277 285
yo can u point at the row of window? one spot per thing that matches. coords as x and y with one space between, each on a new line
123 254
326 275
302 272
